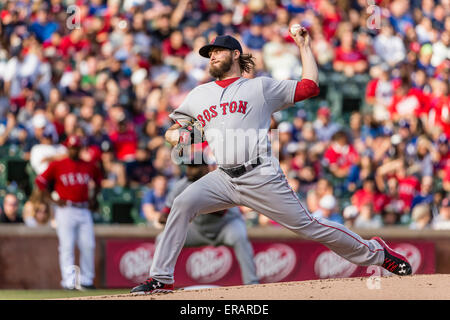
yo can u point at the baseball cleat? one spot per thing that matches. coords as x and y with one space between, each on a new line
393 261
150 286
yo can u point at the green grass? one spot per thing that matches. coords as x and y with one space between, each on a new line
55 294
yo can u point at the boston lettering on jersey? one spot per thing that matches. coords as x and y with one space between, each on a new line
223 109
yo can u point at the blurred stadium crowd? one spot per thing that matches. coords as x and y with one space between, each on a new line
371 150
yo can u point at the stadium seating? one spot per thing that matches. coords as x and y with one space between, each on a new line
120 205
13 170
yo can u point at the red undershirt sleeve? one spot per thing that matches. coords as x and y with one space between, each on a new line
165 210
305 89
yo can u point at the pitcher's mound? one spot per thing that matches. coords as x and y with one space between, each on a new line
422 287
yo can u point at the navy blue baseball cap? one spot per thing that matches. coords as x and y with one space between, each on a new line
227 42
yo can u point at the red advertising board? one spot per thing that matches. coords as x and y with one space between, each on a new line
128 262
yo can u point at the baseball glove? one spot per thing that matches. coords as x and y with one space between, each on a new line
191 133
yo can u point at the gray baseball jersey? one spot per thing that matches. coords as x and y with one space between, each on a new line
226 227
236 119
242 105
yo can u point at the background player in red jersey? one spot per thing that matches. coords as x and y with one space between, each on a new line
71 179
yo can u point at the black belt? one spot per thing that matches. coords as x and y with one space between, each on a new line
238 171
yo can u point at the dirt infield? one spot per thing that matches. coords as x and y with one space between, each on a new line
423 287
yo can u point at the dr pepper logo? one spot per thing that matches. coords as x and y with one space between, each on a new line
275 263
329 265
209 264
135 264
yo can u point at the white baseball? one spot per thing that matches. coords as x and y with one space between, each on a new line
294 28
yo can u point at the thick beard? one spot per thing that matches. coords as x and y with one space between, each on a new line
219 71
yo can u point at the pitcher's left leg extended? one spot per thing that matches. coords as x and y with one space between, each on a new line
208 194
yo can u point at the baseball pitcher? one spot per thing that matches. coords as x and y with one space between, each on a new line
234 113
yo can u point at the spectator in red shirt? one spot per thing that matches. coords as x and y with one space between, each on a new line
408 185
369 194
74 42
394 206
347 58
52 46
59 113
365 195
340 155
331 17
124 140
408 101
174 48
439 111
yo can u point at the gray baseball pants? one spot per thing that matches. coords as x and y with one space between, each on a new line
265 190
233 234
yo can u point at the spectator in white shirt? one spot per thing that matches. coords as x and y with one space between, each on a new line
19 69
195 64
279 58
367 219
425 31
43 153
421 217
442 221
441 49
388 46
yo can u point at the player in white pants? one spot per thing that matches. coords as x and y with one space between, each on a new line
75 227
69 178
235 113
